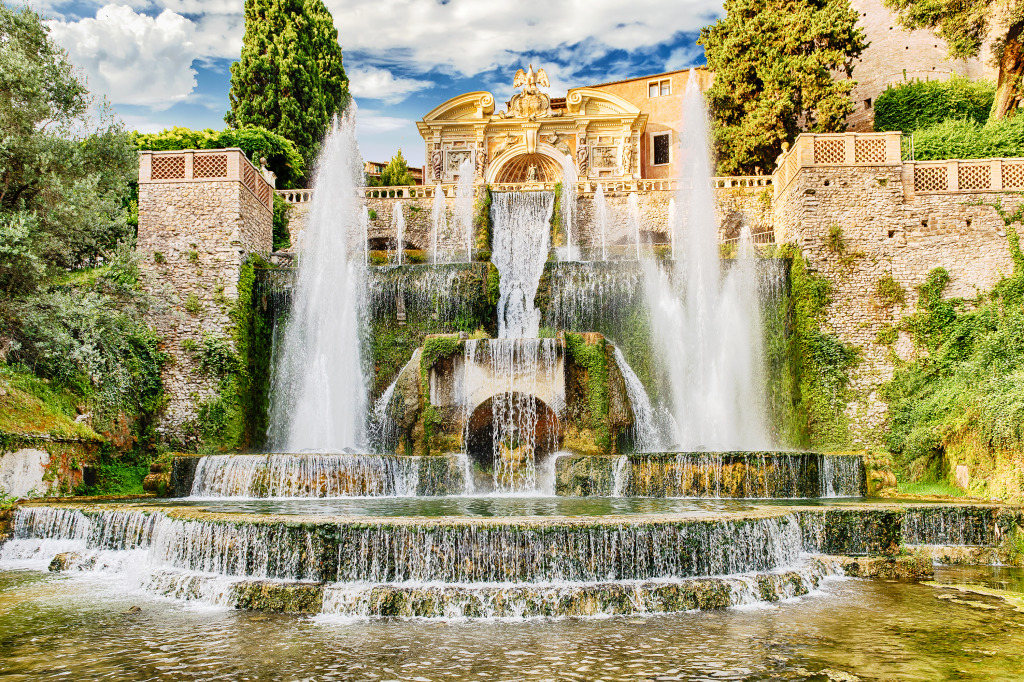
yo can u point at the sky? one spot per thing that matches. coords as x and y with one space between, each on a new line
163 63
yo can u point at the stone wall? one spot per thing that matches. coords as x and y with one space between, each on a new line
886 231
194 236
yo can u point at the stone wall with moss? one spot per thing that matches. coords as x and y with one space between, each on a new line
194 238
862 247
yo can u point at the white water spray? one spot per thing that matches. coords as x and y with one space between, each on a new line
437 216
521 238
601 215
398 227
318 401
634 219
568 203
710 334
464 206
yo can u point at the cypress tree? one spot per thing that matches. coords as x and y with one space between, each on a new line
290 78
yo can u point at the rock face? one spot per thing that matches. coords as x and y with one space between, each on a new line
64 561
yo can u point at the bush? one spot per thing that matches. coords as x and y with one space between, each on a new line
920 104
282 156
965 139
282 237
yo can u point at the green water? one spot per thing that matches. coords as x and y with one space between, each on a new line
488 506
77 628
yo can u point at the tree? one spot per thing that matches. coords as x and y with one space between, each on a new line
965 25
290 78
395 174
775 63
63 176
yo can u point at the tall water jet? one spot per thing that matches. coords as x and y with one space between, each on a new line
634 219
601 216
710 333
437 215
672 218
568 203
464 206
398 227
318 401
364 222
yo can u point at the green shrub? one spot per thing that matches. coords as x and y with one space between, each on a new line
282 237
966 139
835 241
193 305
919 104
158 257
889 292
282 156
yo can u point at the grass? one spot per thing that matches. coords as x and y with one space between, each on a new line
29 405
929 489
117 478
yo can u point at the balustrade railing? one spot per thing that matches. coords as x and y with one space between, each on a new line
954 175
205 165
582 187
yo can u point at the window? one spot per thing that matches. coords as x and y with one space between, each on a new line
660 88
661 144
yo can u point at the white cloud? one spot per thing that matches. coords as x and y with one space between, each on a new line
370 123
133 58
371 82
683 57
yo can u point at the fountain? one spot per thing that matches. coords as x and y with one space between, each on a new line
437 219
464 206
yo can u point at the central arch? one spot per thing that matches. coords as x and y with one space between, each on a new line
513 165
480 429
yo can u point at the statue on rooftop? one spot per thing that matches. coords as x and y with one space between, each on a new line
531 103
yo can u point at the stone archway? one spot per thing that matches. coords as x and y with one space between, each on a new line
513 166
480 430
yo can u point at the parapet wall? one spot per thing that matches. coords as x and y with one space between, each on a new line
201 214
893 219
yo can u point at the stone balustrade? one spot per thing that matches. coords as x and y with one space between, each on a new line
837 149
205 165
954 175
583 187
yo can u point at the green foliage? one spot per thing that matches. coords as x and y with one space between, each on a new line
593 360
493 284
835 241
395 174
483 226
557 236
965 25
117 477
819 363
192 304
371 214
964 394
929 489
437 348
919 104
889 292
774 68
282 237
290 77
887 335
158 257
965 139
64 172
282 155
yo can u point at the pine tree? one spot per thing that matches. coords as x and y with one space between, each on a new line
290 78
775 63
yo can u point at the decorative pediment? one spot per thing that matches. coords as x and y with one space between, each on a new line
594 102
470 106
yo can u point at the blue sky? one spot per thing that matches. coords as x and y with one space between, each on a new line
165 62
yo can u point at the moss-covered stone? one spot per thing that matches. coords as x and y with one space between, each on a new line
917 566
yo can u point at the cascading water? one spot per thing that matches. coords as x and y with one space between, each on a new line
709 334
464 206
672 218
646 436
318 399
521 237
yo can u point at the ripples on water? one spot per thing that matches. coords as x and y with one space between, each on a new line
54 627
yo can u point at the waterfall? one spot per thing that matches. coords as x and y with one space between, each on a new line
709 334
568 204
398 227
318 400
364 223
842 476
645 429
521 236
464 206
437 216
520 426
601 216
